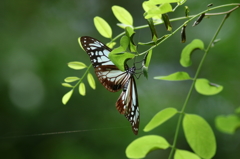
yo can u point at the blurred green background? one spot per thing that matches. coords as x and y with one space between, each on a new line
38 39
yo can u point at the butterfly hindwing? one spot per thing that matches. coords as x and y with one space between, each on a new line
113 79
127 104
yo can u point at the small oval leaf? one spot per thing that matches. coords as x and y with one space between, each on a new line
118 57
167 22
91 81
145 71
66 85
102 27
67 96
177 76
204 87
185 59
71 79
227 124
160 118
129 31
76 65
147 58
199 136
111 44
152 29
146 63
154 11
82 89
122 15
124 42
140 147
183 154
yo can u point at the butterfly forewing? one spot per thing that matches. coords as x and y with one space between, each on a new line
108 74
113 79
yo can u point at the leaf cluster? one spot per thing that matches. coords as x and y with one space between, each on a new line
198 133
76 65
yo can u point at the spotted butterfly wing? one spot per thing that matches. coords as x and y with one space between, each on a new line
108 74
114 79
127 104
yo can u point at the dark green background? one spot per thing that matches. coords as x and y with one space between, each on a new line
39 38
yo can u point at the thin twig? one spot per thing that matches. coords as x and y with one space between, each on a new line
192 86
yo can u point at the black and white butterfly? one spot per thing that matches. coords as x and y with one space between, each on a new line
114 79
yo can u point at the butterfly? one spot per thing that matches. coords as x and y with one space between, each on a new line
114 79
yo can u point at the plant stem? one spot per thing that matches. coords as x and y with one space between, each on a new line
191 18
182 18
192 86
85 73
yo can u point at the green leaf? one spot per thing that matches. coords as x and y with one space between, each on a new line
185 59
118 50
140 147
133 48
148 58
165 1
145 71
183 154
177 76
76 65
152 28
66 85
82 89
146 63
111 44
237 111
204 87
118 57
67 96
122 15
153 12
227 124
199 136
91 81
103 27
147 6
129 31
124 42
160 118
71 79
167 22
156 11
